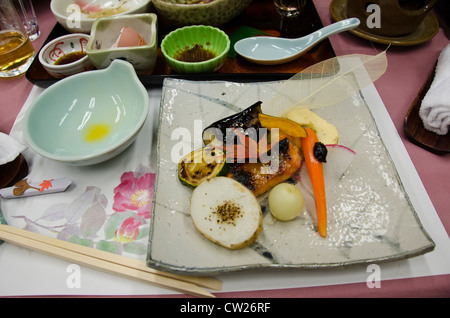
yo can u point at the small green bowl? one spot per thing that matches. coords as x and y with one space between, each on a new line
210 38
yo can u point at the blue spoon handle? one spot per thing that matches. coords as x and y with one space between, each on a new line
332 29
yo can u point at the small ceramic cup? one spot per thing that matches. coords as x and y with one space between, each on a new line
397 17
105 32
62 48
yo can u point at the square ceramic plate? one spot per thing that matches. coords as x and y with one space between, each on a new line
370 217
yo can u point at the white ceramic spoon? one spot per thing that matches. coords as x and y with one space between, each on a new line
268 50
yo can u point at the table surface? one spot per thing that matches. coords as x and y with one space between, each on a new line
408 70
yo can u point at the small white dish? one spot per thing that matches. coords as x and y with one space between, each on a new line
60 48
105 32
77 16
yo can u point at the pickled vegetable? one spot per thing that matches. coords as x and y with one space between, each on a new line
285 201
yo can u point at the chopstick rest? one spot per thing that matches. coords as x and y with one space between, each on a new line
25 189
109 262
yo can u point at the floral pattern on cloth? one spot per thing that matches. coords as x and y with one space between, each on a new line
92 221
134 194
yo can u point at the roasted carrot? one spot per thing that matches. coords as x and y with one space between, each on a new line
315 171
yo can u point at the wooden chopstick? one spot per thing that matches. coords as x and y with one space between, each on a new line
207 282
109 262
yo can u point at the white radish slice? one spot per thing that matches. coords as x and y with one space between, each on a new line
339 158
226 212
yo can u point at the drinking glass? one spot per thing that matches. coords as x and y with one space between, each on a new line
290 8
26 13
16 51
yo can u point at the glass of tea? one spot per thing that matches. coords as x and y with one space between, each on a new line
16 50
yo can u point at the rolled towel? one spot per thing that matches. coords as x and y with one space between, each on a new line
435 108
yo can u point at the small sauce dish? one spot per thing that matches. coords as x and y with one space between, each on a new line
66 55
102 47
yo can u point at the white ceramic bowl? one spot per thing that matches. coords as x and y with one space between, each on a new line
59 48
89 117
75 17
105 32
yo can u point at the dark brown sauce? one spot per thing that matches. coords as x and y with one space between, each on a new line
195 54
70 58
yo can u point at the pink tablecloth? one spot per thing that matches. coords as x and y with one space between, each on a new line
408 69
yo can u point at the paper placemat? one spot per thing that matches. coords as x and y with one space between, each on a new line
24 272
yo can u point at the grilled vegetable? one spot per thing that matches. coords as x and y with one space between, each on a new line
200 165
315 171
226 212
286 126
248 118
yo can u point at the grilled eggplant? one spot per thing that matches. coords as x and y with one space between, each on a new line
248 118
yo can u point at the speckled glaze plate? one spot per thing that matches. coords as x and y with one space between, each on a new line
370 217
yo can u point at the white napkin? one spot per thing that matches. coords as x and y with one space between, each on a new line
435 108
10 148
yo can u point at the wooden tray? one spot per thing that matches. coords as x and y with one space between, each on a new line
416 132
261 15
